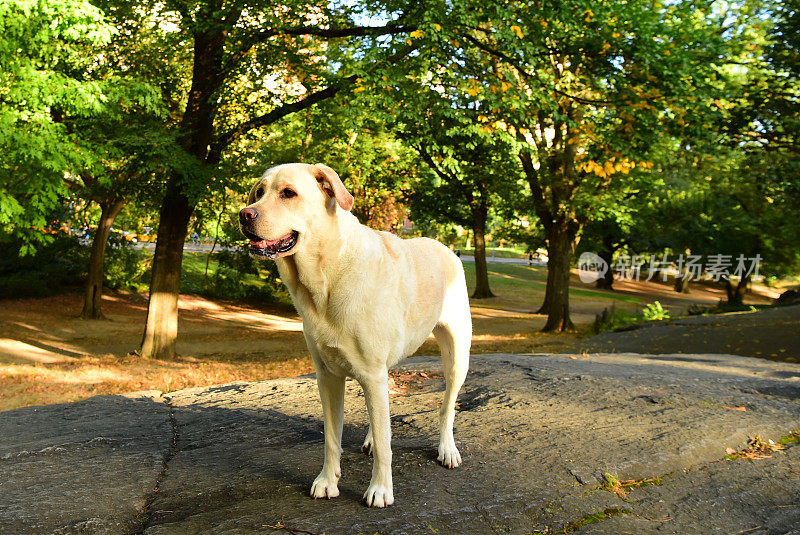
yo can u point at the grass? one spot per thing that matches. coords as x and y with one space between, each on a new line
791 438
233 339
758 449
499 252
586 520
621 488
35 384
532 280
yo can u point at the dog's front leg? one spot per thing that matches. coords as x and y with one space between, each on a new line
331 392
376 391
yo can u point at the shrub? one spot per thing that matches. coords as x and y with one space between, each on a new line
233 274
126 268
55 265
620 320
655 312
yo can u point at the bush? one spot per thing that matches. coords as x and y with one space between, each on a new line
126 268
55 265
234 275
622 320
655 312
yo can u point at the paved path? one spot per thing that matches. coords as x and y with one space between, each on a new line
537 433
769 333
206 247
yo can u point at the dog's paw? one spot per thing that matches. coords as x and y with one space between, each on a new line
379 496
367 446
325 486
449 456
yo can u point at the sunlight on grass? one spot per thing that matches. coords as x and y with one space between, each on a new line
25 385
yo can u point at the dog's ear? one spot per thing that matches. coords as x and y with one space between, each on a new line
332 185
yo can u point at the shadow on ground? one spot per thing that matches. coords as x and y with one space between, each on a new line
772 333
537 434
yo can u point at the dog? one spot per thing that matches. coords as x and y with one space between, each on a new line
368 299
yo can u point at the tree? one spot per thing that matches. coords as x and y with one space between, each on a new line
469 172
347 134
585 91
43 53
233 44
137 151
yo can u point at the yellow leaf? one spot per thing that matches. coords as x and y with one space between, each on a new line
416 34
472 91
359 89
517 30
588 13
438 27
615 35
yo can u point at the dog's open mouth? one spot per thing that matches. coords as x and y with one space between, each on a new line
274 248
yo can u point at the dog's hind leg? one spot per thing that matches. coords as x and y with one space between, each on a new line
366 447
454 340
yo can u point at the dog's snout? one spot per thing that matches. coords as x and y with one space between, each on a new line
248 215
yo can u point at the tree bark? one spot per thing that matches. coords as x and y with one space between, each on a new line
561 242
196 128
736 293
93 296
606 282
682 282
482 289
161 329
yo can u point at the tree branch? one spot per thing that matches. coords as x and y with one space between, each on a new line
528 76
225 139
331 33
539 201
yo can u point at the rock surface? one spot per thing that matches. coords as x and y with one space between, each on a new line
537 434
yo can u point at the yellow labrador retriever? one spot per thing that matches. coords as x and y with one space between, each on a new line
367 298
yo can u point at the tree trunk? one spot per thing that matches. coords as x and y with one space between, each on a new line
161 330
561 242
682 282
196 130
736 294
482 289
606 282
94 281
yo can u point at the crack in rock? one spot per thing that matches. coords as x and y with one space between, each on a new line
146 514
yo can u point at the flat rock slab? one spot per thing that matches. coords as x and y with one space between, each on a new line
537 434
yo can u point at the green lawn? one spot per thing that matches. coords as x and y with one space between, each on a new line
531 281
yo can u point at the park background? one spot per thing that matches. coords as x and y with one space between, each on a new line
502 129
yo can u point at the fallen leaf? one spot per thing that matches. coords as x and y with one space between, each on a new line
735 408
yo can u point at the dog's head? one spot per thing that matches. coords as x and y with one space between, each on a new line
288 204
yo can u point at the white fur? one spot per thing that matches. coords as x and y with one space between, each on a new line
368 299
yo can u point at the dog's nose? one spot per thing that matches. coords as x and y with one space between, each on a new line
248 215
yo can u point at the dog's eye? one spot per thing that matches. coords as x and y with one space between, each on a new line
259 193
287 193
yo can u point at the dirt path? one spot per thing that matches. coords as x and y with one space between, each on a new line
772 333
49 355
